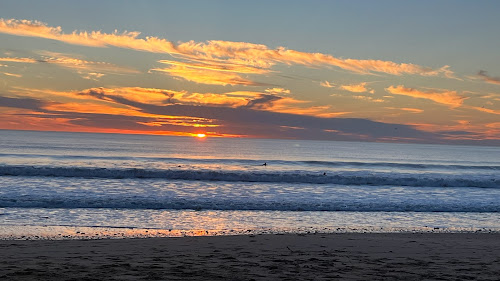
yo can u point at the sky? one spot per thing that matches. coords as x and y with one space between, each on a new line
381 71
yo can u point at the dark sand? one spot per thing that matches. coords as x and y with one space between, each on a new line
394 256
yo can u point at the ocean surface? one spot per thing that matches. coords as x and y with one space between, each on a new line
80 185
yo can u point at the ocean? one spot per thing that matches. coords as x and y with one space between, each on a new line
56 185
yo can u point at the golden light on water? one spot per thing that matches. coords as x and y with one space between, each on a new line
201 135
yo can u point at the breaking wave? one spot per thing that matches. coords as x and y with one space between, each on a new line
352 178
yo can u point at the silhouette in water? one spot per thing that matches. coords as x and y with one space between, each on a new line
265 164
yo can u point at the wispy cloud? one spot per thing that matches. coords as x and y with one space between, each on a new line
327 84
87 69
67 61
218 66
20 60
357 88
491 96
485 77
91 75
445 97
365 98
463 130
484 109
242 53
12 74
407 109
277 91
204 76
289 105
211 72
412 110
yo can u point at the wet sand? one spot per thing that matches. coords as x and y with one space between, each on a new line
348 256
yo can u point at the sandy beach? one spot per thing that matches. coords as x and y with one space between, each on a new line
348 256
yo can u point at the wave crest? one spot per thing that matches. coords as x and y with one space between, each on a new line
342 178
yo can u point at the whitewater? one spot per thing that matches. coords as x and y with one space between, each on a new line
81 180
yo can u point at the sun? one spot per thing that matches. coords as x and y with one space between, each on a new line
200 135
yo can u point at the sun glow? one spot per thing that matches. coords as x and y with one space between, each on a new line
200 135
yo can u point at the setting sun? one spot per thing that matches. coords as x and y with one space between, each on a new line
200 135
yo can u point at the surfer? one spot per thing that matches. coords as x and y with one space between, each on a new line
265 164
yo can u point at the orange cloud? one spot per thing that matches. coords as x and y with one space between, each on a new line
93 38
408 109
149 96
87 69
26 121
88 107
291 106
212 99
466 130
483 109
21 60
277 91
84 65
316 111
495 125
449 98
206 76
217 66
178 123
357 88
15 119
412 110
136 94
243 53
211 72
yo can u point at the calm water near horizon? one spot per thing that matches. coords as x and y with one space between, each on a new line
64 184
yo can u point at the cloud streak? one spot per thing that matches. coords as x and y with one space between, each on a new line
371 99
357 88
445 97
226 52
217 66
12 74
19 60
204 76
87 69
327 84
66 61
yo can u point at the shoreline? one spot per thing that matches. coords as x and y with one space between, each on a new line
57 232
351 256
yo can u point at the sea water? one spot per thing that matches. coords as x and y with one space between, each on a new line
74 185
